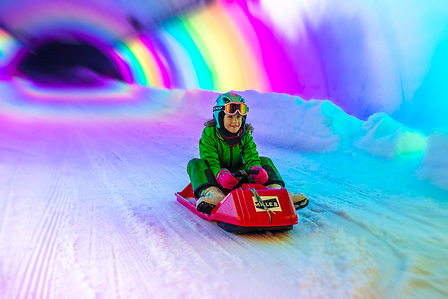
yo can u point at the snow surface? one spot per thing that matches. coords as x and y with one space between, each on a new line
87 205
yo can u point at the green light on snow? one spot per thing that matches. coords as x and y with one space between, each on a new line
411 143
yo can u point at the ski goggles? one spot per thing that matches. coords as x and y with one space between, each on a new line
232 108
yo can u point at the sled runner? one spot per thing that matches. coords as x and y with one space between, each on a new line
248 208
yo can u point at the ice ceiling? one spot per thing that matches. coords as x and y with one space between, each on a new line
365 56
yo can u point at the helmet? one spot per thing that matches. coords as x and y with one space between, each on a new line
218 111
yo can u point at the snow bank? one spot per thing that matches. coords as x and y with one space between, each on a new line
321 126
303 128
434 166
385 137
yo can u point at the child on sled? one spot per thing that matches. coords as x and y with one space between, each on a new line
226 146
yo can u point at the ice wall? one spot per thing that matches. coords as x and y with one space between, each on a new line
364 56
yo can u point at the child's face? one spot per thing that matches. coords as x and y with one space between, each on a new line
232 122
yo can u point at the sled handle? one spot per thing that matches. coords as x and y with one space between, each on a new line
244 173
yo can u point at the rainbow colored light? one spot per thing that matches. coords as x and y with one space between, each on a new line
357 55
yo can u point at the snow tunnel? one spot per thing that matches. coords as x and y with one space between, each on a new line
58 62
102 105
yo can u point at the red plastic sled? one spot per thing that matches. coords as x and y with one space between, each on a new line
252 207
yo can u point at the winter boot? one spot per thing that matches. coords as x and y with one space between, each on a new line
300 200
274 186
209 199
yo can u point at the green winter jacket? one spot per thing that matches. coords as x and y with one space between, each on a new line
218 154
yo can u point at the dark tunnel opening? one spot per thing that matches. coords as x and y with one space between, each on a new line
62 63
